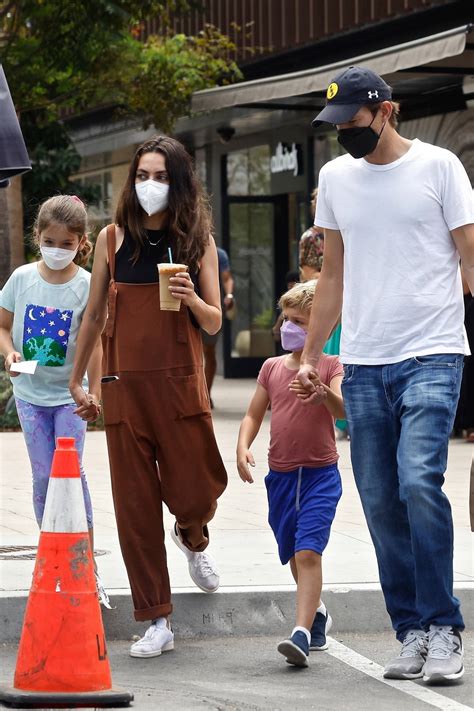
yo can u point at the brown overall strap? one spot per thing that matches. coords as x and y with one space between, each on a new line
111 249
112 294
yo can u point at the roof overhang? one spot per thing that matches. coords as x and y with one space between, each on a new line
424 55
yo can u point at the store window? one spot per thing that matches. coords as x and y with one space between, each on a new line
102 182
248 171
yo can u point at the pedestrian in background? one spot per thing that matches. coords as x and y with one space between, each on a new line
311 247
303 484
209 341
42 306
397 214
157 418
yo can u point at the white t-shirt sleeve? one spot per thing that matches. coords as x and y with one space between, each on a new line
324 214
456 194
7 296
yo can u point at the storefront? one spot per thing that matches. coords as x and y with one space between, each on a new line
259 158
266 182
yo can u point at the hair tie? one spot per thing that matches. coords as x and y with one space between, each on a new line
77 199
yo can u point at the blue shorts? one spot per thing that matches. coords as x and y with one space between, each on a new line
301 508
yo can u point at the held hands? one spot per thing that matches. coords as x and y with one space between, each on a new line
13 357
316 397
182 287
244 458
307 375
88 404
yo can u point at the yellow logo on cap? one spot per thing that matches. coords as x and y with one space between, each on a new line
332 90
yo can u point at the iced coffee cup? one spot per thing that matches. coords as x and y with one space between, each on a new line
168 302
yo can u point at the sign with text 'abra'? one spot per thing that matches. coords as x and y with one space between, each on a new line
286 158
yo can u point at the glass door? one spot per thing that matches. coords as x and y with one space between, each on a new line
254 228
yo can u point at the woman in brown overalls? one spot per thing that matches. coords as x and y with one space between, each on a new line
156 405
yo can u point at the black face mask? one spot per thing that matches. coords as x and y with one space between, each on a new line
359 142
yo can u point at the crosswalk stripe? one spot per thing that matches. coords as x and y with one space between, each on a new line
367 666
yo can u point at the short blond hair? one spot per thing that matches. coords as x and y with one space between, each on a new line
300 296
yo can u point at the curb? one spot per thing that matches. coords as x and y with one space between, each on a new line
239 611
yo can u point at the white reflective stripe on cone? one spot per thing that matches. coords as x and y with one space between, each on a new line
64 511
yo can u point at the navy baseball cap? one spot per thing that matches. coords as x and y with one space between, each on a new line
348 91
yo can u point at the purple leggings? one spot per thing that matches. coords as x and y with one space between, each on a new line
41 426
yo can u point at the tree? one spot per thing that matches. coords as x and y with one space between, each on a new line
62 57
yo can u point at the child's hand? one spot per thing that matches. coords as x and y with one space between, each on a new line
92 411
88 405
244 458
320 394
314 398
13 357
300 390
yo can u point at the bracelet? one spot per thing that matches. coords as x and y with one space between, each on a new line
229 296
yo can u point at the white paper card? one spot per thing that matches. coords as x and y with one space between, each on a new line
25 366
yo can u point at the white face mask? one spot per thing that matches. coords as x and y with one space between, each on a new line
56 258
152 196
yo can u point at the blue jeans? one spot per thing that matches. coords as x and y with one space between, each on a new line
400 417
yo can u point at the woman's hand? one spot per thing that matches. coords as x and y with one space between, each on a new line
13 357
182 287
88 404
244 458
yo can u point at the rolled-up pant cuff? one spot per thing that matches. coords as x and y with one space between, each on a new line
152 613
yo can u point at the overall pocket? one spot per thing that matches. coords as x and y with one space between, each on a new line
112 402
188 395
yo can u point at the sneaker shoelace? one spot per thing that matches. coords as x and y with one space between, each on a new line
413 645
101 593
440 642
204 565
153 629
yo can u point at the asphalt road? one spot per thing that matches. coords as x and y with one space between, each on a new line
248 674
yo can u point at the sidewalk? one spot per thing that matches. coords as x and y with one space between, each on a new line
241 540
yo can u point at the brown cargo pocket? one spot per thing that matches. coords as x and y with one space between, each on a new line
188 395
112 402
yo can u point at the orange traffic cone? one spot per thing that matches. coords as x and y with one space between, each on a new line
62 657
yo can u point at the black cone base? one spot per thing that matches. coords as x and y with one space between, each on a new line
9 696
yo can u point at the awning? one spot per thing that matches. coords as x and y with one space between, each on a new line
417 53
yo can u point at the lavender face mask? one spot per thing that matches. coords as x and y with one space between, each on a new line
293 337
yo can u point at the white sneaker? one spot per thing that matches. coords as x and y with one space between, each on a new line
102 593
158 638
202 568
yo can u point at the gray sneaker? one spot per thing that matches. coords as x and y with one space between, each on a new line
445 655
410 661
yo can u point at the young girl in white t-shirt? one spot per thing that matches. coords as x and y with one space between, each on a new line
41 308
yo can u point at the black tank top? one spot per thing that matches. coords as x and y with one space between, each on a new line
144 270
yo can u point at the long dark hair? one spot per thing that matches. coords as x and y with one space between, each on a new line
189 218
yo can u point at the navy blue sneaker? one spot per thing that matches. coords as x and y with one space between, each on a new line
321 626
295 649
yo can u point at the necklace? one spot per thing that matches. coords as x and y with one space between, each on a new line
153 244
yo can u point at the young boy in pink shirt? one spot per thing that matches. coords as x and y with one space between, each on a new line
303 485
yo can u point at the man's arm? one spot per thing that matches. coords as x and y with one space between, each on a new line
327 306
228 286
464 240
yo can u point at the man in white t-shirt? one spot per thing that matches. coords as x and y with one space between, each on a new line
397 216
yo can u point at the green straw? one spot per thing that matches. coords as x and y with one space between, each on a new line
170 255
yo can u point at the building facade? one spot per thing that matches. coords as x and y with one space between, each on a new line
253 144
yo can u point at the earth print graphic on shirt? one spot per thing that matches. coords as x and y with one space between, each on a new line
46 334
